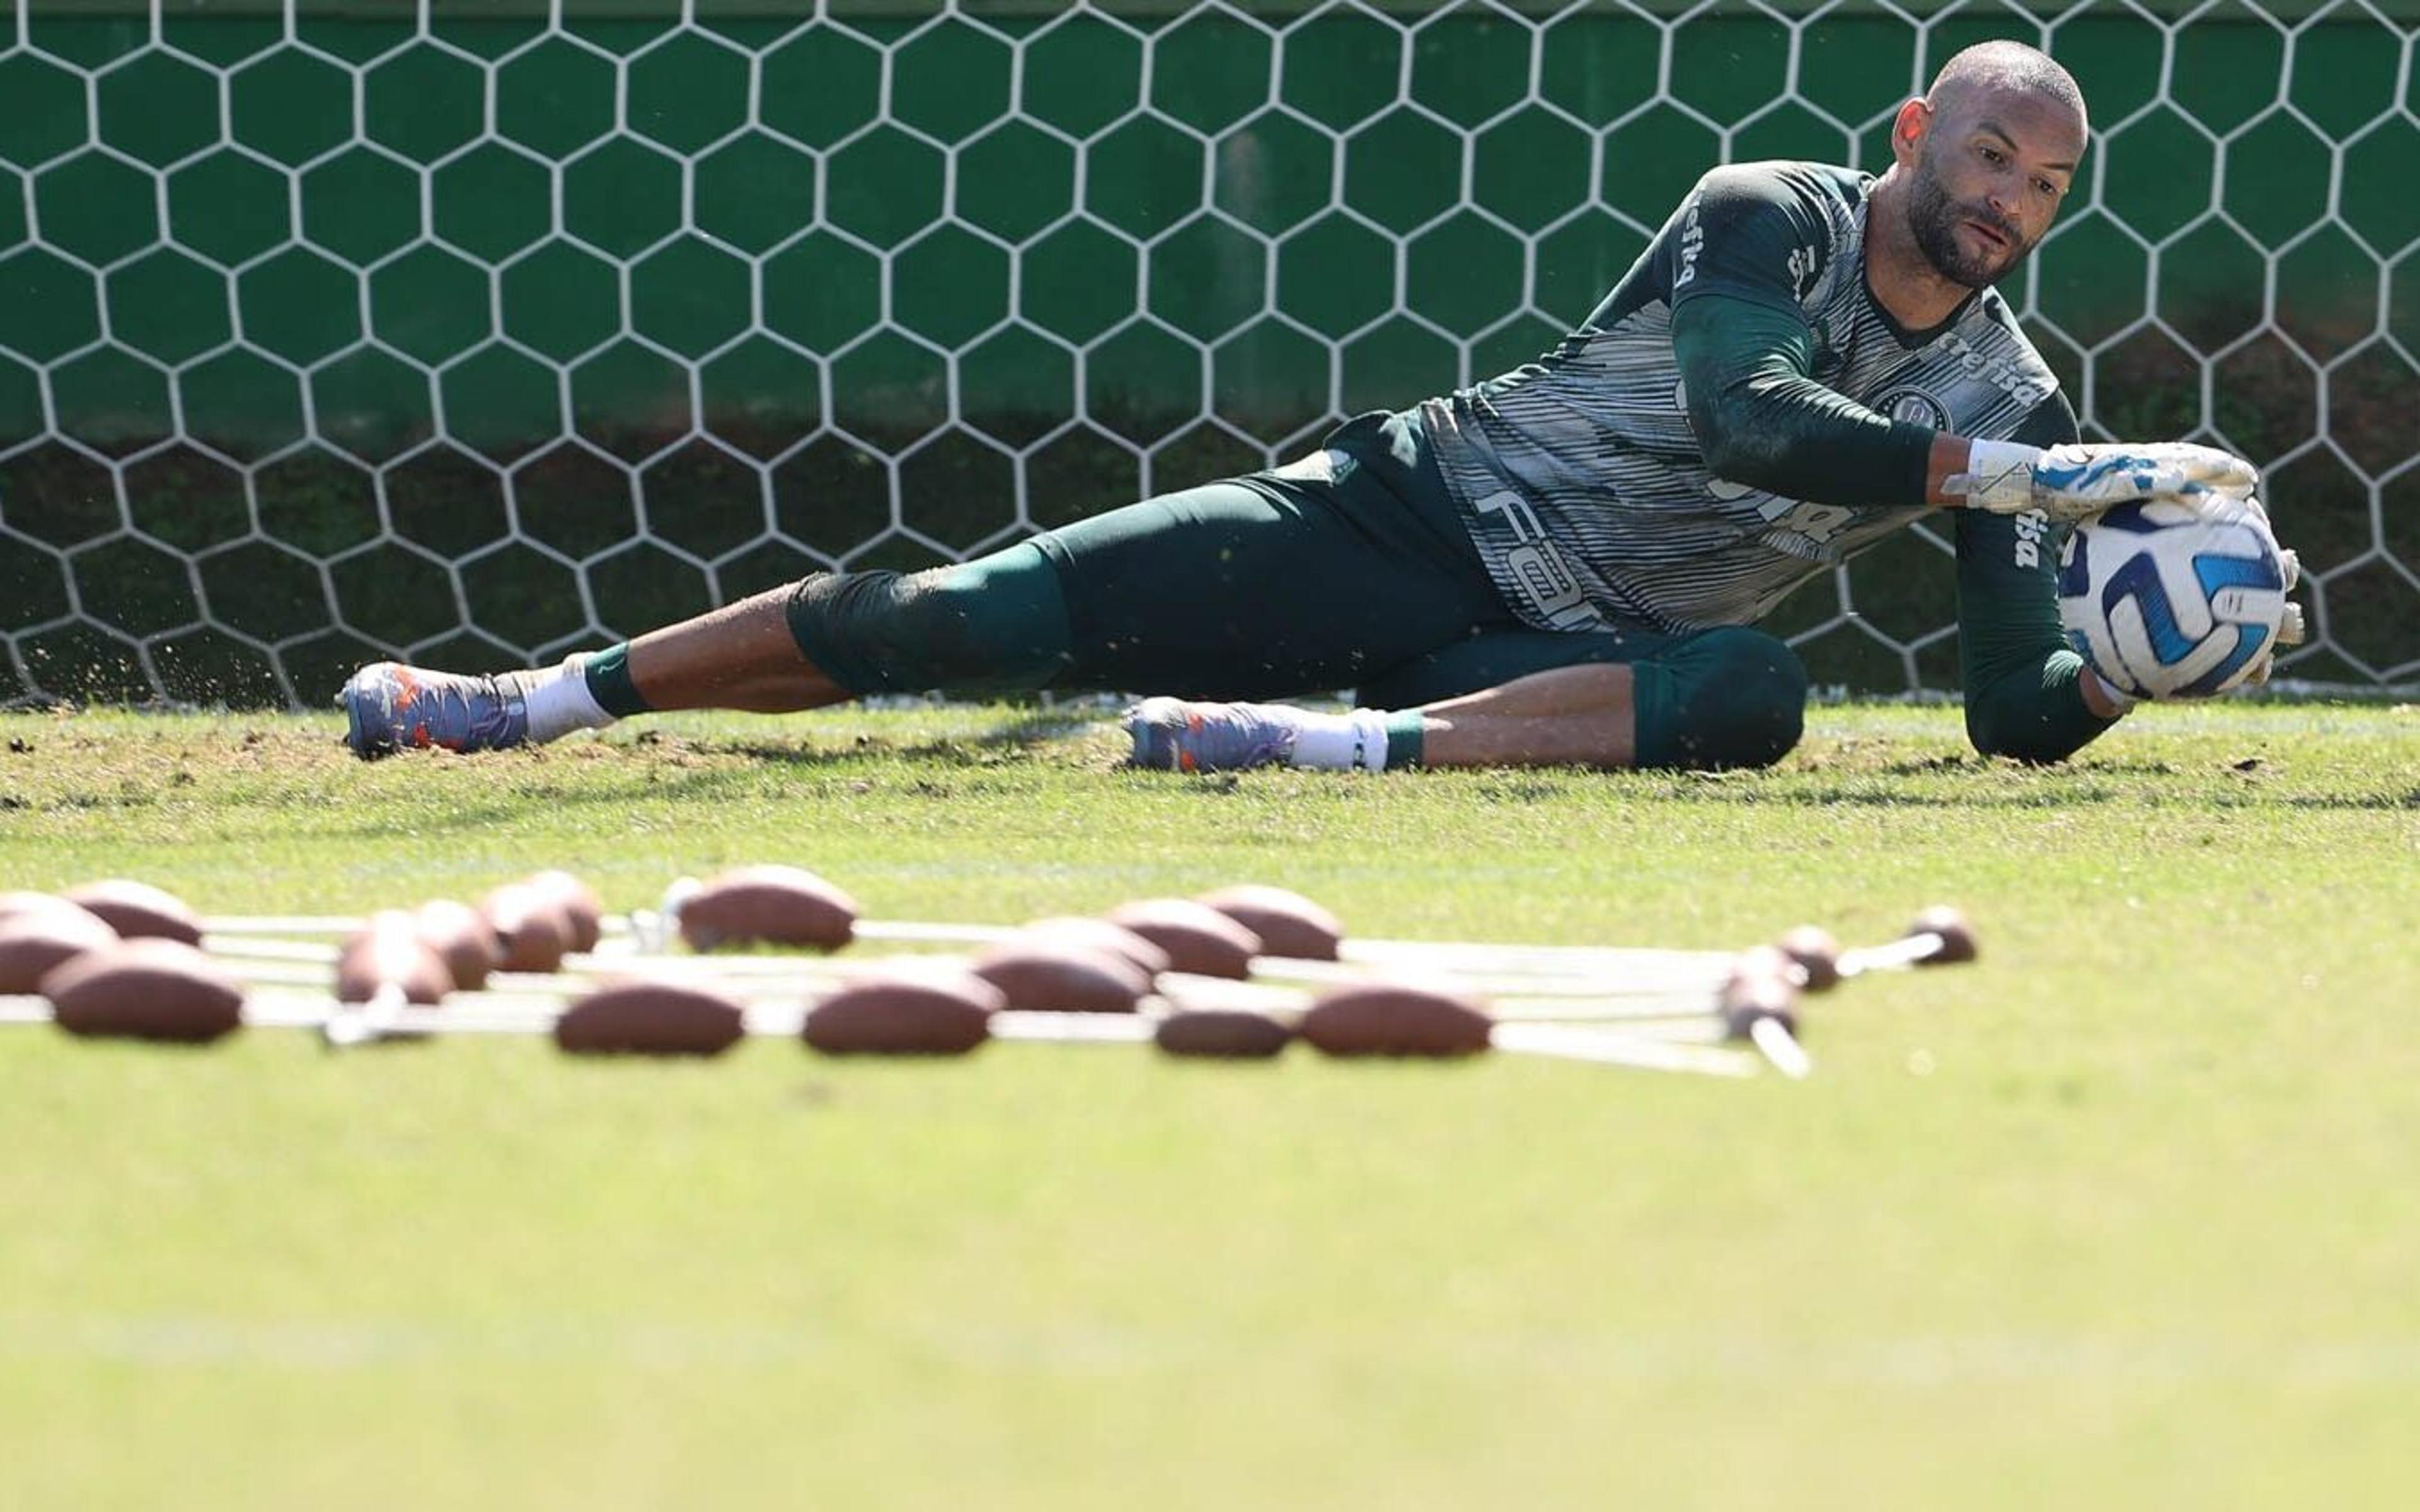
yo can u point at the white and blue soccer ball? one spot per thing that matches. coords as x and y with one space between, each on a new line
2165 603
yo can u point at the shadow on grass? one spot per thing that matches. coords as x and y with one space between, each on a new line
1023 733
659 768
2051 796
2384 801
1972 765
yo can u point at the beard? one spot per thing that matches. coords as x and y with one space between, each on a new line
1934 218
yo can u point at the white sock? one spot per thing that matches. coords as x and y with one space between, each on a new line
558 700
1355 742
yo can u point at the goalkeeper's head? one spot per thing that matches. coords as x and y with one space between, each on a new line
1989 153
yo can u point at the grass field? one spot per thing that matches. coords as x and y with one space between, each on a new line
2123 1215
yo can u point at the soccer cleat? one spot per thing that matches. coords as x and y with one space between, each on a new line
1176 736
391 707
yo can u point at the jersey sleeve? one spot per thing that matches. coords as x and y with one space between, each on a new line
1744 248
2023 697
1754 232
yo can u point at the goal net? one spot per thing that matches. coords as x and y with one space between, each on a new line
475 334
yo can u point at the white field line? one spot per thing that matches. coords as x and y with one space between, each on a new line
807 979
1589 995
1607 967
1611 1048
1170 1349
484 1015
1907 951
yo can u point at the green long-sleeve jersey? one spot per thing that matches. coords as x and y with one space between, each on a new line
1741 414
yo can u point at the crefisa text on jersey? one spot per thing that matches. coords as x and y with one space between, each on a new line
1999 372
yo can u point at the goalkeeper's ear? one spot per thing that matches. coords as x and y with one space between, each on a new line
1907 132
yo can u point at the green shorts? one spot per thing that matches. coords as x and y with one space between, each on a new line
1314 576
1350 569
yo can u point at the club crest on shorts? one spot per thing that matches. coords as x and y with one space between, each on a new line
1915 406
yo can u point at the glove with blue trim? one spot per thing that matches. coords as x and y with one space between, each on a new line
2291 630
2081 480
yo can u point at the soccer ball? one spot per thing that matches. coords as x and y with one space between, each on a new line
2164 603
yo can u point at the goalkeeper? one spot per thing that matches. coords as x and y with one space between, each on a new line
1558 566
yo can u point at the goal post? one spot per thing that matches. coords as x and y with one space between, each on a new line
478 333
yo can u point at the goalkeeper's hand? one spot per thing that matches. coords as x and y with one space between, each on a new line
2079 481
2290 626
2291 630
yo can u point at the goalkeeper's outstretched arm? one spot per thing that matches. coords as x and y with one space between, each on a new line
2027 695
1763 419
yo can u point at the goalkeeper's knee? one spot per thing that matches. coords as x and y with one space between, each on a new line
995 625
1724 698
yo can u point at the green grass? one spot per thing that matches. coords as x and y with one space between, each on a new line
2120 1216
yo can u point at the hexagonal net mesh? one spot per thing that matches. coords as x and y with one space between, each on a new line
476 337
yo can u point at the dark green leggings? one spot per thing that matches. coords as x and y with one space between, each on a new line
1273 586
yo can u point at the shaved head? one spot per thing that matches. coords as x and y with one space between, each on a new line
1988 69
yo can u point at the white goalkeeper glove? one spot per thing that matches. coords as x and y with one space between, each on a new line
2291 628
2080 481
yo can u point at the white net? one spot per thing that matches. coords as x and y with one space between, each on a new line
477 336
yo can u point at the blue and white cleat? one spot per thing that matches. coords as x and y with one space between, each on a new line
391 707
1179 735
